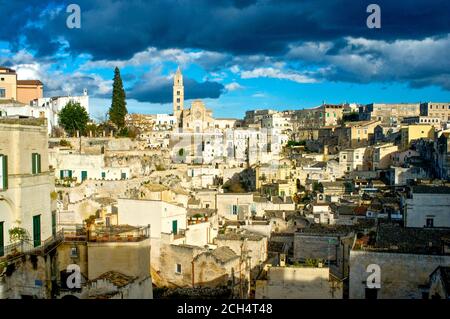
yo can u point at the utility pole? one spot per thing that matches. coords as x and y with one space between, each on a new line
193 275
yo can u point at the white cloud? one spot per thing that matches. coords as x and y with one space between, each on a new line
233 86
153 56
417 62
277 74
259 95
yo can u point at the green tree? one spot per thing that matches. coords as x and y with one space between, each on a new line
73 117
118 108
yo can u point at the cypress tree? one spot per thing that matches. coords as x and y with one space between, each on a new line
118 108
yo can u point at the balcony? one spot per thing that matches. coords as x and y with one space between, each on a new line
121 233
24 247
114 234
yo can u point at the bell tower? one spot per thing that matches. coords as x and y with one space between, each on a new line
178 95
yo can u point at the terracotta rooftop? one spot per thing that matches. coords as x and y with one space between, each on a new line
29 82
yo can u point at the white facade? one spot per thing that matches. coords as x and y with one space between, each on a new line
428 207
353 159
165 122
25 182
48 107
161 216
85 166
235 206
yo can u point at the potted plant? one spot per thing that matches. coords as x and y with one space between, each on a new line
16 235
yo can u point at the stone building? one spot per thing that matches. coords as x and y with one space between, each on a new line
26 182
193 266
436 110
23 91
198 118
415 132
357 134
299 283
328 244
321 116
405 256
390 114
112 262
383 155
163 217
428 206
246 244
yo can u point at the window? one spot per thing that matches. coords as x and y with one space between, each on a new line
178 92
178 100
234 209
37 230
3 172
430 222
2 93
178 268
65 174
73 252
35 163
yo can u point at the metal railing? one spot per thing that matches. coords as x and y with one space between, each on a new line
104 234
22 247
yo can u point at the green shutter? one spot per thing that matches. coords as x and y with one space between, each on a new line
38 163
5 171
2 242
54 224
33 163
61 174
37 230
175 227
70 173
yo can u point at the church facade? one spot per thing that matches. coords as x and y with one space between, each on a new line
198 118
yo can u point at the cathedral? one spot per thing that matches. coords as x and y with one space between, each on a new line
198 118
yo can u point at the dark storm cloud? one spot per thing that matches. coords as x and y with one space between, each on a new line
156 89
118 29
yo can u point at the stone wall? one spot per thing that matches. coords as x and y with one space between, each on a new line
401 274
298 283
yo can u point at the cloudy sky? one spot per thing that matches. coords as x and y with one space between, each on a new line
235 54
